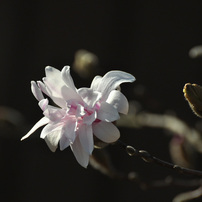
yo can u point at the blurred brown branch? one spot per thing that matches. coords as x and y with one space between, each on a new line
168 122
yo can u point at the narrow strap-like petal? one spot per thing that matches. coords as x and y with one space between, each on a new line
67 77
80 154
40 123
105 131
86 137
110 81
64 142
36 91
43 88
96 82
69 129
43 104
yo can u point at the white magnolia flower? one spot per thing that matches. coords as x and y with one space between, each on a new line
80 113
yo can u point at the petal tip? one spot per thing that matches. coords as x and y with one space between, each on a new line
48 68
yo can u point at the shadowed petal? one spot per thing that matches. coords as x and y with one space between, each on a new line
107 112
80 154
86 138
119 101
40 123
105 131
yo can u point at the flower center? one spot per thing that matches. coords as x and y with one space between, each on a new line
81 113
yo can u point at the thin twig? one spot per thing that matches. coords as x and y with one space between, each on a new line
147 157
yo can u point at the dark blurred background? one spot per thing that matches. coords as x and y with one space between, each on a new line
149 39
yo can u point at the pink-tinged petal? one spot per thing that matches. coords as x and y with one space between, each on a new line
89 119
67 77
89 96
40 123
36 91
52 139
80 154
54 113
119 101
85 135
64 142
105 131
49 128
69 129
110 81
43 104
107 112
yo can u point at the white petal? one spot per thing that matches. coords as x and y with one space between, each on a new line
111 81
105 131
67 77
50 128
57 88
86 137
42 87
52 140
54 92
107 112
96 82
64 142
43 104
119 101
36 91
69 129
40 123
89 96
80 154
